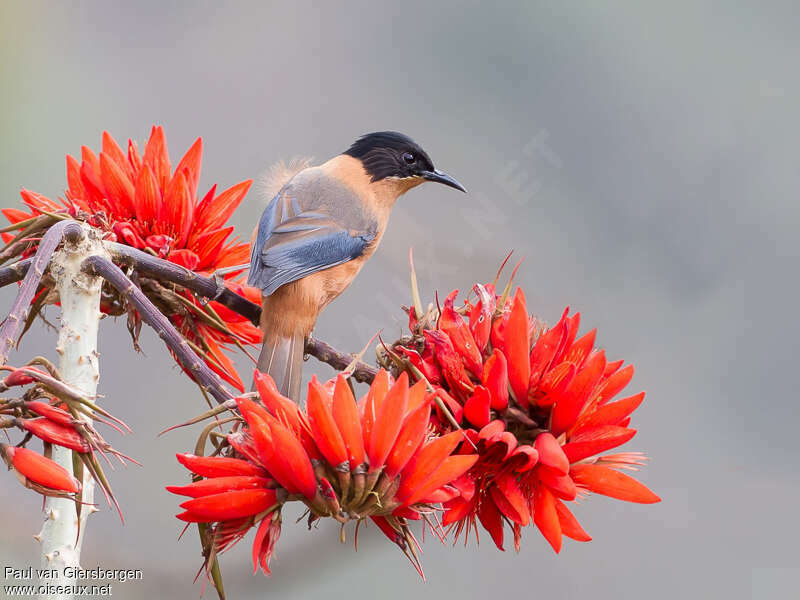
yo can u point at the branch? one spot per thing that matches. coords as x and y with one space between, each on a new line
14 273
326 353
157 268
202 374
20 308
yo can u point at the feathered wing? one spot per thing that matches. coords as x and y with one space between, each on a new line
313 223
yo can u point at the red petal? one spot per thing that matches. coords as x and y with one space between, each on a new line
373 400
230 505
615 384
281 408
476 408
495 378
480 317
217 466
209 245
546 517
451 468
492 521
569 524
609 482
593 441
76 192
178 209
510 500
455 510
494 428
184 258
345 413
114 152
426 461
296 459
550 453
580 349
454 326
387 424
553 385
190 164
571 325
561 485
258 540
15 215
220 363
545 349
612 367
409 439
529 457
609 414
147 197
218 485
41 470
326 433
417 395
214 213
517 349
572 401
156 155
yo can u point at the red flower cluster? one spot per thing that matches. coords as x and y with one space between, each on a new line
139 200
536 403
376 458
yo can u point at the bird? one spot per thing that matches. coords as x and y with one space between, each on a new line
316 233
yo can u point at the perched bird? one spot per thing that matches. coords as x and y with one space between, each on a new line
316 233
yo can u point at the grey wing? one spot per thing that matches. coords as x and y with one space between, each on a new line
308 227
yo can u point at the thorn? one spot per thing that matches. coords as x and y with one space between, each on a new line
38 537
49 556
53 514
59 350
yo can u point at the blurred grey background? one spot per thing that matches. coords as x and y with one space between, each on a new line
643 160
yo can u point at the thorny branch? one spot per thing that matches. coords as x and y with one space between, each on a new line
19 310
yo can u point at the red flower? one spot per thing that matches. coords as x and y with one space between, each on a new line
139 200
40 473
537 405
342 459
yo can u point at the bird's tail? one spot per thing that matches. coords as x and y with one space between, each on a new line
282 358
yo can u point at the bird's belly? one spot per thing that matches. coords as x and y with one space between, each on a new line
332 282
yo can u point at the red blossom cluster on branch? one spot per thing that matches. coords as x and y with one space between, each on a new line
376 458
138 199
58 415
537 404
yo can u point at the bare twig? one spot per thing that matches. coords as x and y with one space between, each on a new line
326 353
201 373
152 266
15 272
22 303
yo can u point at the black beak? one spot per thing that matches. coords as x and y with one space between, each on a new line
440 177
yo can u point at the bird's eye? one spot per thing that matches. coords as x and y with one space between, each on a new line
409 158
